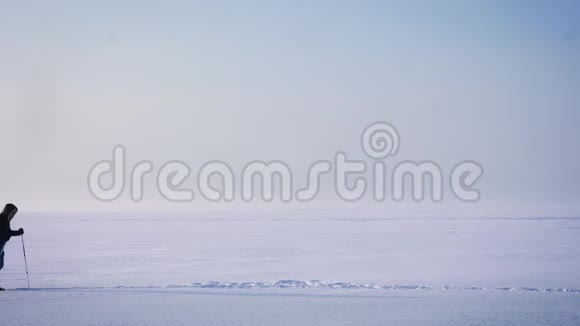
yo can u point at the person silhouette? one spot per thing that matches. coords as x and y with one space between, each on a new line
5 231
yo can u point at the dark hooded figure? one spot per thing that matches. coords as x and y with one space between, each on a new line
5 232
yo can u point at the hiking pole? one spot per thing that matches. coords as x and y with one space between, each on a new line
25 262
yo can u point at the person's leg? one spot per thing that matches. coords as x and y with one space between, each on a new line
2 260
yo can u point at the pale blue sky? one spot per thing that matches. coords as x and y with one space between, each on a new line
491 81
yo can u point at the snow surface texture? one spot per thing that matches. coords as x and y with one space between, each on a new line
223 269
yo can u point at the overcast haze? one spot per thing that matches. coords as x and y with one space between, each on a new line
492 81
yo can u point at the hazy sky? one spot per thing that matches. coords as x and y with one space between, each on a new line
492 81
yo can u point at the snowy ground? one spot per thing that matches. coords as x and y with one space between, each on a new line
225 269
